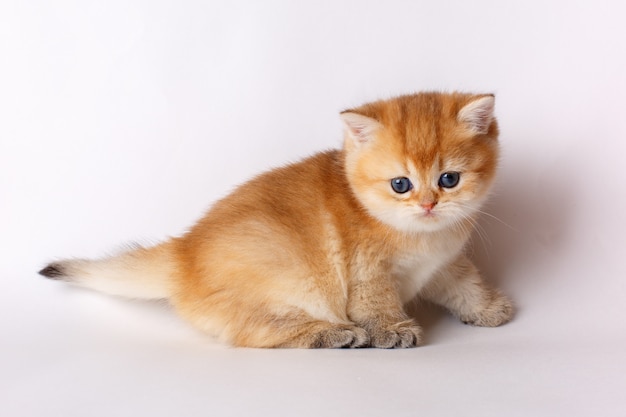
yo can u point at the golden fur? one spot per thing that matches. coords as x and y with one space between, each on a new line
323 252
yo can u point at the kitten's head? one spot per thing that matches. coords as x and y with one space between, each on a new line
422 162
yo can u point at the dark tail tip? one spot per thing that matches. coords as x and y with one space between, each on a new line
53 271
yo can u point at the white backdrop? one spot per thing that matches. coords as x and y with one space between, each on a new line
123 120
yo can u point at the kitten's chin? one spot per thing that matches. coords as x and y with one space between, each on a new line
428 223
418 223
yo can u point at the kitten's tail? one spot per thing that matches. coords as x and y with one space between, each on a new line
145 273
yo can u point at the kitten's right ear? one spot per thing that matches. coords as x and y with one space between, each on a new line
360 128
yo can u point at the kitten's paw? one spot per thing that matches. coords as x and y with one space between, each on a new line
340 337
405 334
499 311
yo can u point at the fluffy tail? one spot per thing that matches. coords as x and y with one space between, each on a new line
138 273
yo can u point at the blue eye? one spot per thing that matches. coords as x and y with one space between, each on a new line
449 179
401 185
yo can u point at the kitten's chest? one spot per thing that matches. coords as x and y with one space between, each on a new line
417 263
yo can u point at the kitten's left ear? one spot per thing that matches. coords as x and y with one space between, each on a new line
478 114
360 128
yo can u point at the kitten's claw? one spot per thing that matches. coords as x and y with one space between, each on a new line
499 311
405 334
341 337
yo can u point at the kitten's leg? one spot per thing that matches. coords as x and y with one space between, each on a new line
460 289
294 329
376 306
257 327
320 334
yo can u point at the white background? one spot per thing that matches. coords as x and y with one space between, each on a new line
123 120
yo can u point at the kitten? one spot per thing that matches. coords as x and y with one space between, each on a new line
324 253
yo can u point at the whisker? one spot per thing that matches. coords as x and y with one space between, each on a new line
489 215
482 235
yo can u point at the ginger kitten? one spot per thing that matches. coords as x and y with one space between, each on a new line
324 253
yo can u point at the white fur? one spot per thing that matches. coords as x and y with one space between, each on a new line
422 260
135 274
360 128
478 115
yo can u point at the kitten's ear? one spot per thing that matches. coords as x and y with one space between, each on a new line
360 128
478 114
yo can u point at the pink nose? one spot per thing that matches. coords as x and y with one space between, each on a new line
429 205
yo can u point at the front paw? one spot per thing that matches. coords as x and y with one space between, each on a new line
404 334
498 311
340 336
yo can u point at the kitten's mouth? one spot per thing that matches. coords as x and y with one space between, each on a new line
433 218
428 216
429 221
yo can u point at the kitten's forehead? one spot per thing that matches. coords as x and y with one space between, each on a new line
423 123
417 169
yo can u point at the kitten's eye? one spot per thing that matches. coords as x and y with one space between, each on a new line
401 185
449 179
